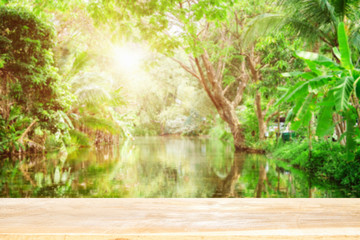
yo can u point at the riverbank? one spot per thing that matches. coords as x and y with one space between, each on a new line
327 162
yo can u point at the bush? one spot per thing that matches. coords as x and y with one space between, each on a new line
327 161
221 131
28 79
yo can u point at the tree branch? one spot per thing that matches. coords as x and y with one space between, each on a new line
271 116
186 68
209 69
253 70
204 84
268 106
26 131
241 87
227 88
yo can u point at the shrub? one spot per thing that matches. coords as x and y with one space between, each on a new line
327 161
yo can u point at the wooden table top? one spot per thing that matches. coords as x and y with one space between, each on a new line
185 219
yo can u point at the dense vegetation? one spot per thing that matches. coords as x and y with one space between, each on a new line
86 73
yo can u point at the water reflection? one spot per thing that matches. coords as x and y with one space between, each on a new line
157 167
226 186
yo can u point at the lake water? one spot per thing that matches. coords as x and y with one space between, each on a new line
147 167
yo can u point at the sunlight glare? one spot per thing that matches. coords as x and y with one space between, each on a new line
128 58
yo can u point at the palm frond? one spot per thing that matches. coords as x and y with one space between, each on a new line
316 11
343 7
93 95
316 18
117 98
302 29
101 124
82 59
260 26
79 138
65 119
93 78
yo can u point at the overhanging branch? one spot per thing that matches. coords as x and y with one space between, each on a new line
186 68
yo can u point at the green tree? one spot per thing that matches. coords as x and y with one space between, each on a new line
208 31
29 81
270 56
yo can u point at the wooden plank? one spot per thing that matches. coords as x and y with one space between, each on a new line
179 219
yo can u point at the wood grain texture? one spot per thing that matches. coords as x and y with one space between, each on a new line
187 219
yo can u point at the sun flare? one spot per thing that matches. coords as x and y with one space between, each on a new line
127 57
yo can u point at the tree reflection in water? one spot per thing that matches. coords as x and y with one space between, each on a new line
226 187
157 167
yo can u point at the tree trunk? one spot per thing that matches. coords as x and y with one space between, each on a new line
339 128
260 116
227 112
238 135
210 75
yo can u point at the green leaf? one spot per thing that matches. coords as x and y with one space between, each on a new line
344 47
350 132
298 91
81 61
317 59
79 138
313 67
336 52
305 75
66 119
304 114
260 26
325 123
319 81
291 74
342 92
357 87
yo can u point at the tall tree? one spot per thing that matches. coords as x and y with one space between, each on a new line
208 31
272 55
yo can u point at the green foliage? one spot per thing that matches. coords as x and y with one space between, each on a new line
26 44
221 131
327 162
261 25
325 117
277 55
170 102
79 139
29 81
11 130
319 19
54 142
95 105
327 85
101 124
149 20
